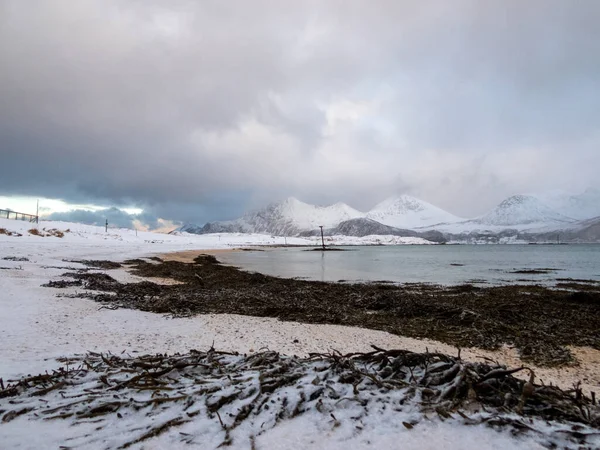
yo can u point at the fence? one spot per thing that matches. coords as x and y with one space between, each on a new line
8 214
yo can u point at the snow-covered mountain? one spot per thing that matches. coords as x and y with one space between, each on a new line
286 218
579 206
523 210
405 211
362 227
404 215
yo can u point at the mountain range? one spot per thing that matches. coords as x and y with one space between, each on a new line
520 217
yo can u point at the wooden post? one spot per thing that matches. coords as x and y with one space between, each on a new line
106 226
322 238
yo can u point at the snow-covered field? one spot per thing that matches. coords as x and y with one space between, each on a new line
36 327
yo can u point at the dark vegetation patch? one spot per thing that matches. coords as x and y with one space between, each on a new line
133 261
61 284
67 268
15 258
476 281
46 233
327 249
266 388
578 280
534 271
539 321
98 264
456 264
9 233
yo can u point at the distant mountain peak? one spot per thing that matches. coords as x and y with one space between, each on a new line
518 199
521 210
580 206
292 216
406 211
292 201
285 218
401 203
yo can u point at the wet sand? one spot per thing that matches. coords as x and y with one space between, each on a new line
188 256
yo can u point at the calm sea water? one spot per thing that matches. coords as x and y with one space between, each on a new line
442 264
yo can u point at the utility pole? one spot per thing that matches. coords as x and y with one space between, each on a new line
322 238
37 212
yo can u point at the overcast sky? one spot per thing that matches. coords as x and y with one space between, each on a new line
197 110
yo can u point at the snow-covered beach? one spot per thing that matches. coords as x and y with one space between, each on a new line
36 327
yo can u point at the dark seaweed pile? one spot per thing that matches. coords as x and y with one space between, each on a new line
539 321
153 393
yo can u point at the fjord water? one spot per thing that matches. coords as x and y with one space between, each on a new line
440 264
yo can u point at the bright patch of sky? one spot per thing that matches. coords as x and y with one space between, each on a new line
28 205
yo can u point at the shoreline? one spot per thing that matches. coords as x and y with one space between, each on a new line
188 256
309 337
44 328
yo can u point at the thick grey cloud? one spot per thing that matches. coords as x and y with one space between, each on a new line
115 217
196 110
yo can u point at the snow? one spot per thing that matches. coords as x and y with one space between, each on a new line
434 435
286 218
374 240
36 327
60 325
344 415
293 216
309 217
585 205
142 242
522 210
519 212
408 212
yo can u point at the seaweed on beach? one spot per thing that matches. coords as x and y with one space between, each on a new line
15 259
541 271
97 264
539 321
216 392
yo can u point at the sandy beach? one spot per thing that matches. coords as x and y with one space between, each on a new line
41 327
307 338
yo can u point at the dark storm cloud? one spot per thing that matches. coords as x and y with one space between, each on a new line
195 110
115 217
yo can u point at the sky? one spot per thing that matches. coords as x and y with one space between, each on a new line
200 110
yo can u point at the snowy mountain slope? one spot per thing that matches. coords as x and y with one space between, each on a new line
579 206
522 210
584 231
306 216
286 218
362 227
516 214
405 211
